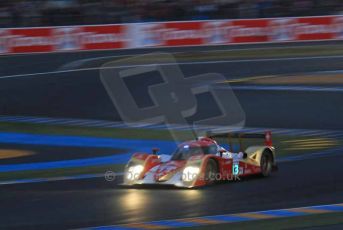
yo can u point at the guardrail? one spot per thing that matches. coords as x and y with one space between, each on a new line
169 34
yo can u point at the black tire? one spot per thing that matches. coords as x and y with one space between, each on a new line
211 172
266 163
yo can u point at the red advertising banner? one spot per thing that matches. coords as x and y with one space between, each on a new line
182 34
103 37
247 31
170 34
320 28
90 37
30 40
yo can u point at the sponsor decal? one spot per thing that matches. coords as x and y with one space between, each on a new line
235 168
183 34
103 37
31 40
320 28
245 31
165 169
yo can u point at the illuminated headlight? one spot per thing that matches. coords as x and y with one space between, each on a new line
134 172
190 173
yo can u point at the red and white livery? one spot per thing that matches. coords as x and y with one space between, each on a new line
202 162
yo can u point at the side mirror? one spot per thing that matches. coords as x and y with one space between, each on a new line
155 151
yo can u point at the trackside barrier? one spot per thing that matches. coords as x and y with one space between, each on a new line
169 34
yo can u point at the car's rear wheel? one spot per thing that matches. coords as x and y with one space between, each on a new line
266 163
211 172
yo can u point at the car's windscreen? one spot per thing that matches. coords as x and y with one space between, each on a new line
186 151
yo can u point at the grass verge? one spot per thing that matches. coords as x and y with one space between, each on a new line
297 51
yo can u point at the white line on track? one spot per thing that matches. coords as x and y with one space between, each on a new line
168 64
289 88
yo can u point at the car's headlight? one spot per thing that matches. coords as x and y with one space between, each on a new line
190 173
134 172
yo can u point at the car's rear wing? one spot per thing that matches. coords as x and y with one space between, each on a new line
267 136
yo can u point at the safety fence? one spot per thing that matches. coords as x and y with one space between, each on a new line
169 34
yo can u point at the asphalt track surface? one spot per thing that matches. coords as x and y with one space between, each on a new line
75 204
81 94
71 204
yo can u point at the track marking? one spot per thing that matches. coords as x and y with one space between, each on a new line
310 144
309 210
307 140
289 88
168 64
247 79
318 144
306 148
14 153
231 218
256 215
202 221
146 226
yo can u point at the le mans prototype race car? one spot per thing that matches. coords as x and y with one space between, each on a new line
202 162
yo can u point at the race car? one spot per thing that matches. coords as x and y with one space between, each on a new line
202 162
